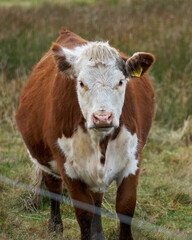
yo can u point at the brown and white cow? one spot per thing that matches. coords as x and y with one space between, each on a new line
85 115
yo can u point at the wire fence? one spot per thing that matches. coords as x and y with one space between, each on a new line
89 208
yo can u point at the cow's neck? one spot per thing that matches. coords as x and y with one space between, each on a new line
98 137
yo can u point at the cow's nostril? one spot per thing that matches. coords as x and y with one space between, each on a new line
95 118
110 116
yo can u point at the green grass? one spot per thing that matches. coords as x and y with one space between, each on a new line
164 204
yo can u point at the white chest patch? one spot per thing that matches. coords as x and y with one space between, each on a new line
83 155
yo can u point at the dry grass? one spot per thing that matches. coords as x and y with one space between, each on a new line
164 202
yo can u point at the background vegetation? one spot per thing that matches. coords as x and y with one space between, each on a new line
162 27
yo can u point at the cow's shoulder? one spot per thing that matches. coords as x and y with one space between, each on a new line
139 106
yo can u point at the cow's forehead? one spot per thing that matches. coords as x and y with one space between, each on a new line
108 74
96 55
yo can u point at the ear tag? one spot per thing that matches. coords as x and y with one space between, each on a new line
137 73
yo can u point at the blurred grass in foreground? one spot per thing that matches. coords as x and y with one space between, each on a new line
161 27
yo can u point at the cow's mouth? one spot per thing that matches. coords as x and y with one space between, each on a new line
102 128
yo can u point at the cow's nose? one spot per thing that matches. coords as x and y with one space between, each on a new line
102 119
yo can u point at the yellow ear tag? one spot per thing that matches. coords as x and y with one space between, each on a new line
137 73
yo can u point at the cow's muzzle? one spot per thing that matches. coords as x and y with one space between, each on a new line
102 120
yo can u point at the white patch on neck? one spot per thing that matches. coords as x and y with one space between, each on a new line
83 155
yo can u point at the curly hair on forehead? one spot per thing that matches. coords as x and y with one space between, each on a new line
99 52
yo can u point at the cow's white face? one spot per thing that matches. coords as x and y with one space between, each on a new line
101 76
101 89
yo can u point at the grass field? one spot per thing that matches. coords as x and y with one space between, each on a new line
164 205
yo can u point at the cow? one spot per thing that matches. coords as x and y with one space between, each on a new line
85 115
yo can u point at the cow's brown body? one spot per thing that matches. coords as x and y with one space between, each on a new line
49 108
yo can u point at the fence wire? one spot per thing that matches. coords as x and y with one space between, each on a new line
89 208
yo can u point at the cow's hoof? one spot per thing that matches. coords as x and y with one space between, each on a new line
98 236
55 227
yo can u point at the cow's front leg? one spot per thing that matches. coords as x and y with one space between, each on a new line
125 205
96 227
54 185
83 204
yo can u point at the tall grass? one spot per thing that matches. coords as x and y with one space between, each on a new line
160 27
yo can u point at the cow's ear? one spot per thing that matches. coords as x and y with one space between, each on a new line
138 64
64 58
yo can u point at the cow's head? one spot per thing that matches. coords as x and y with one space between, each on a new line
101 75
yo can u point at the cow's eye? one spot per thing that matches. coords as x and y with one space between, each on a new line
81 84
120 82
